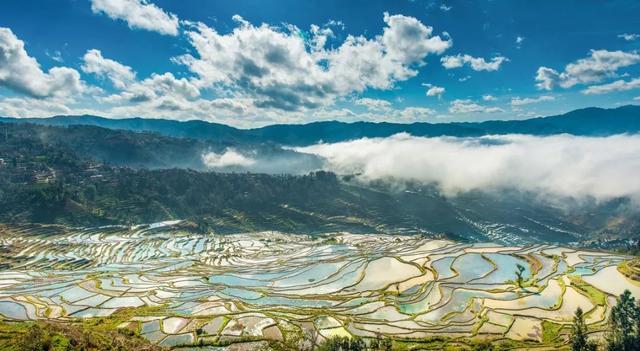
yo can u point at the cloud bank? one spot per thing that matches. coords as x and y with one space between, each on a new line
253 75
281 69
228 158
261 160
560 165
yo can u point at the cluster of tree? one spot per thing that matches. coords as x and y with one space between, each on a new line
623 333
127 196
519 275
115 147
343 343
54 336
631 248
579 334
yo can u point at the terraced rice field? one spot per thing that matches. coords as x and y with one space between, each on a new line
258 286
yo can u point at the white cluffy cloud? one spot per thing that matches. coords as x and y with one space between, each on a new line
32 107
158 87
517 101
469 106
22 73
229 158
600 65
434 90
562 165
159 94
119 74
373 104
254 75
139 14
618 85
413 114
476 63
629 36
278 68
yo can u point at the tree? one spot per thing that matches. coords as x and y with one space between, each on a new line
624 331
311 335
386 344
380 343
519 277
579 338
35 339
343 343
484 345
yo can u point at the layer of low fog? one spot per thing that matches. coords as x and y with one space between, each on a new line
269 160
563 165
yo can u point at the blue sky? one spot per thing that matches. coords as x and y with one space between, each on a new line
250 63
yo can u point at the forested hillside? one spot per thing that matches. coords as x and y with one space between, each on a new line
47 175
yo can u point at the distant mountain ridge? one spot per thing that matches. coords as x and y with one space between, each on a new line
590 121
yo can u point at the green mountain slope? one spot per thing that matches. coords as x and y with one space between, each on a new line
47 175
